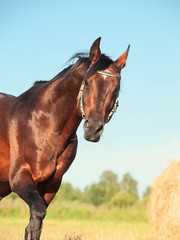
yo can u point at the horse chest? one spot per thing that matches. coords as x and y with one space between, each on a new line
55 166
54 158
44 164
42 150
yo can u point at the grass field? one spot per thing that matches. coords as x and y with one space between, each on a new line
76 221
53 229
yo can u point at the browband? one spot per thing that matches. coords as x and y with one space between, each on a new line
110 74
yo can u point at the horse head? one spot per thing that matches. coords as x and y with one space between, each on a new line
98 96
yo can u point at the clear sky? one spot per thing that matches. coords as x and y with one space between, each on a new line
38 37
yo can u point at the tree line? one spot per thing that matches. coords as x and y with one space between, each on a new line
106 191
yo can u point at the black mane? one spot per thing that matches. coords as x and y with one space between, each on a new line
100 65
40 82
31 94
83 58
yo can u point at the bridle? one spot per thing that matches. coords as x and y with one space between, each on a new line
116 103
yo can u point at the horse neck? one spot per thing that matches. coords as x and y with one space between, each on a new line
61 94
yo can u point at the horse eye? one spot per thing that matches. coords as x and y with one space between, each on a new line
86 83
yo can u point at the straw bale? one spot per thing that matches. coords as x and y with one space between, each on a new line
164 205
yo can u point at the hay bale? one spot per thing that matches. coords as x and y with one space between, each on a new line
164 205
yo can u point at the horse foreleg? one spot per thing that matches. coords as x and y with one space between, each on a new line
23 185
37 214
48 189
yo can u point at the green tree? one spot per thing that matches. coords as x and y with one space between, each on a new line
129 184
95 194
147 192
108 178
67 192
146 196
109 181
102 192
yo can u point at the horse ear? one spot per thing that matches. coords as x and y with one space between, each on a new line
95 52
120 62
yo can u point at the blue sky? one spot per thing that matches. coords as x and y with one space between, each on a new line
38 37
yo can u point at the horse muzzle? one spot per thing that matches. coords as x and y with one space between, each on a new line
93 130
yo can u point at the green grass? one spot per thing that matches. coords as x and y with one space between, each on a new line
75 210
76 221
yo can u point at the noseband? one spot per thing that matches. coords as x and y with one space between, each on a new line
104 73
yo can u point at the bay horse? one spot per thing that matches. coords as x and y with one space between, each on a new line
38 138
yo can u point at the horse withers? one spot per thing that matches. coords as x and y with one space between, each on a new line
38 138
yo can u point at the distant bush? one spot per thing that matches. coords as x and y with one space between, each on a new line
67 192
98 194
123 199
66 210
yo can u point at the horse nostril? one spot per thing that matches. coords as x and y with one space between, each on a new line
99 128
93 127
86 123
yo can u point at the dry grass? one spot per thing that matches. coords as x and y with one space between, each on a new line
164 203
78 230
